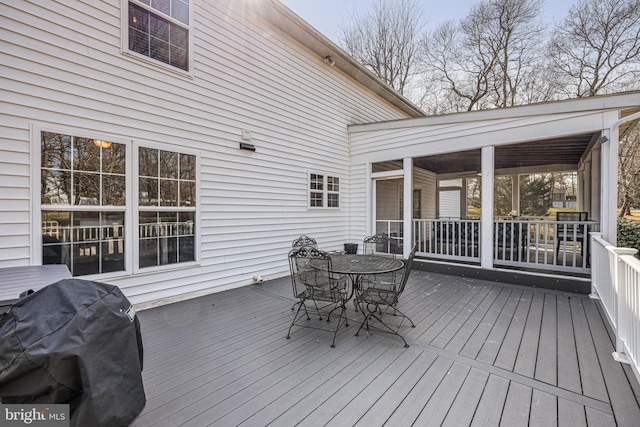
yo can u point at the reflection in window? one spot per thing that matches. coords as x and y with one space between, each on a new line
166 180
162 32
81 171
88 242
83 205
166 237
82 175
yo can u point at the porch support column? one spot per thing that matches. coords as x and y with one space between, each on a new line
596 184
515 193
370 203
486 223
585 203
609 183
407 207
610 177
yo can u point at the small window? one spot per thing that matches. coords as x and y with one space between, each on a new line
159 29
324 191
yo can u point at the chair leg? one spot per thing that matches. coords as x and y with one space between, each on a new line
295 317
335 333
389 329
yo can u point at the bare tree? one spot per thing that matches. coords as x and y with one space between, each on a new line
385 40
459 59
597 46
516 34
490 57
629 170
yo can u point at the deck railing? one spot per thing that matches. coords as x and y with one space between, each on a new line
615 280
448 239
524 243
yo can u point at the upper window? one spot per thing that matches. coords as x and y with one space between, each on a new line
324 191
159 29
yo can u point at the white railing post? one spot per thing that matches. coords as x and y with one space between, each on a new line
620 282
595 265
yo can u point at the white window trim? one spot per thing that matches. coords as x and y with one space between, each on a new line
325 191
130 208
145 60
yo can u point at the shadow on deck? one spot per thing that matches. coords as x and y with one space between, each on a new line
482 353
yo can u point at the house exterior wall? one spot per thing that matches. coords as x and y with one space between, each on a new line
63 70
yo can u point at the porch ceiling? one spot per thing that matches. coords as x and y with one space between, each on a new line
564 150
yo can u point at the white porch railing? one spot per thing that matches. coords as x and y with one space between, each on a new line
615 280
448 239
528 243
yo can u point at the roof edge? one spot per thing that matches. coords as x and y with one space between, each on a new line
614 101
300 30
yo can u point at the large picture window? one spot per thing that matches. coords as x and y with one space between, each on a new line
83 197
159 29
166 199
84 205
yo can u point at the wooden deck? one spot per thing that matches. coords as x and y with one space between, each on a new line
482 354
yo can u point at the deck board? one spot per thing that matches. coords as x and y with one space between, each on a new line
544 409
571 413
462 410
592 381
479 337
568 367
508 353
495 339
437 408
370 399
491 405
517 406
546 363
482 354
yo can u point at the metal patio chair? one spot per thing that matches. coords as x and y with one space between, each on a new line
379 243
313 282
377 297
301 241
304 241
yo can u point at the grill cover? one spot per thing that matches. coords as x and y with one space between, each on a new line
75 342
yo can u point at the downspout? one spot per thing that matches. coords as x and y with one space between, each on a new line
610 164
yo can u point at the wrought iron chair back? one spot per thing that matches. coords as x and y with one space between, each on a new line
379 243
313 282
304 241
376 297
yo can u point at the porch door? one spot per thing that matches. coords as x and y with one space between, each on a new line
388 209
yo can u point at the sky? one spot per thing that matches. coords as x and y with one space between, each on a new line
327 15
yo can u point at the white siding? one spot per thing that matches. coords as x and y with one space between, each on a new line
426 182
62 68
